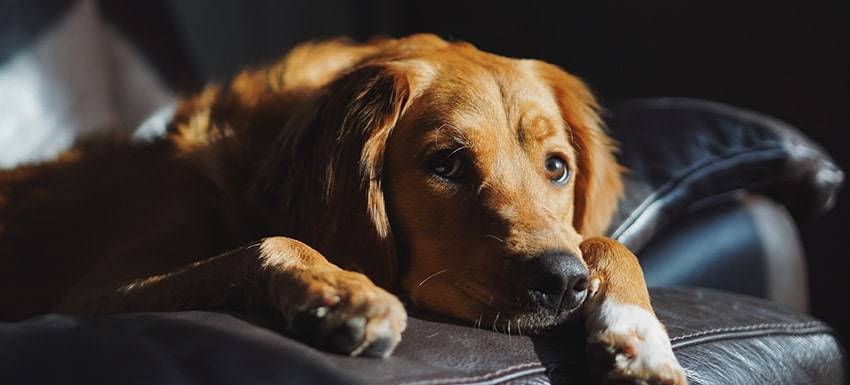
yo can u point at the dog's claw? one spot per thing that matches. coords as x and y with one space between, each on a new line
347 336
383 343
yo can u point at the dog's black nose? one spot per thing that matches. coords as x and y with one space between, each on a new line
557 281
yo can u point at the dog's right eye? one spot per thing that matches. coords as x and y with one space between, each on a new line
446 164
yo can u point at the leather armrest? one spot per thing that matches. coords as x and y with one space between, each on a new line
679 151
739 242
719 338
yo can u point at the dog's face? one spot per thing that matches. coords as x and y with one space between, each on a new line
483 173
481 182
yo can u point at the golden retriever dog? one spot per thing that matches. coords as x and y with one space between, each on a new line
336 181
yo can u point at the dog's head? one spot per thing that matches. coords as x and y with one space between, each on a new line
473 176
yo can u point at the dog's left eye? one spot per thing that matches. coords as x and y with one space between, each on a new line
557 170
446 164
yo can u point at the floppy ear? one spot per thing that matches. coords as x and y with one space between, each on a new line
326 170
598 186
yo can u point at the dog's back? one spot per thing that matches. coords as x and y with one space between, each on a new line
114 210
108 210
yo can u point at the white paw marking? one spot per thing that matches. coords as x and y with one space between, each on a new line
638 342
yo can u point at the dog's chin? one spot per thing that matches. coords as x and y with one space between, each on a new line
487 307
524 319
538 322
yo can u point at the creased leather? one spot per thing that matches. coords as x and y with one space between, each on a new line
719 338
681 150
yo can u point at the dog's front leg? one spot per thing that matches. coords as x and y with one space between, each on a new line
332 308
338 309
626 342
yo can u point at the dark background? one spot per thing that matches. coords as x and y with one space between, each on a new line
787 59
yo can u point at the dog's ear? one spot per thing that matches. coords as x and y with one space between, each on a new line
598 186
327 167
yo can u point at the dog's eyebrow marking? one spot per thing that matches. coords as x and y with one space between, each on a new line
536 128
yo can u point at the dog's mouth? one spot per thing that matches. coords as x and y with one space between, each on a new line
501 309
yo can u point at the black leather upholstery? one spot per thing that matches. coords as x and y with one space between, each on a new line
739 242
719 339
680 151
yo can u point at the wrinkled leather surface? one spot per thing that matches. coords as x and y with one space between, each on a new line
719 338
682 150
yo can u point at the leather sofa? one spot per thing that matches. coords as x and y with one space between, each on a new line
711 200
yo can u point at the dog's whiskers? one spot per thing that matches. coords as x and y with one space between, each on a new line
497 239
455 151
428 278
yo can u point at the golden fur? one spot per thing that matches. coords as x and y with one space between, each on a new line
277 188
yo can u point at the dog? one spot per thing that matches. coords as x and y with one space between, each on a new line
472 185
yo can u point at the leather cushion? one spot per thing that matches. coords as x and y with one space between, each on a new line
679 151
718 337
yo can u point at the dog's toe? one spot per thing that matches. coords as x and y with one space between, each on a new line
357 335
347 336
382 340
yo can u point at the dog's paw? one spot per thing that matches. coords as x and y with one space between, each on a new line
344 312
627 345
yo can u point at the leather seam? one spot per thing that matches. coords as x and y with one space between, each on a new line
534 368
748 332
784 325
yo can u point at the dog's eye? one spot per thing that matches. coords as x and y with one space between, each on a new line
446 164
556 170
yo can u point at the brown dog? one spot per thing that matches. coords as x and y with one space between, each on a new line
474 185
